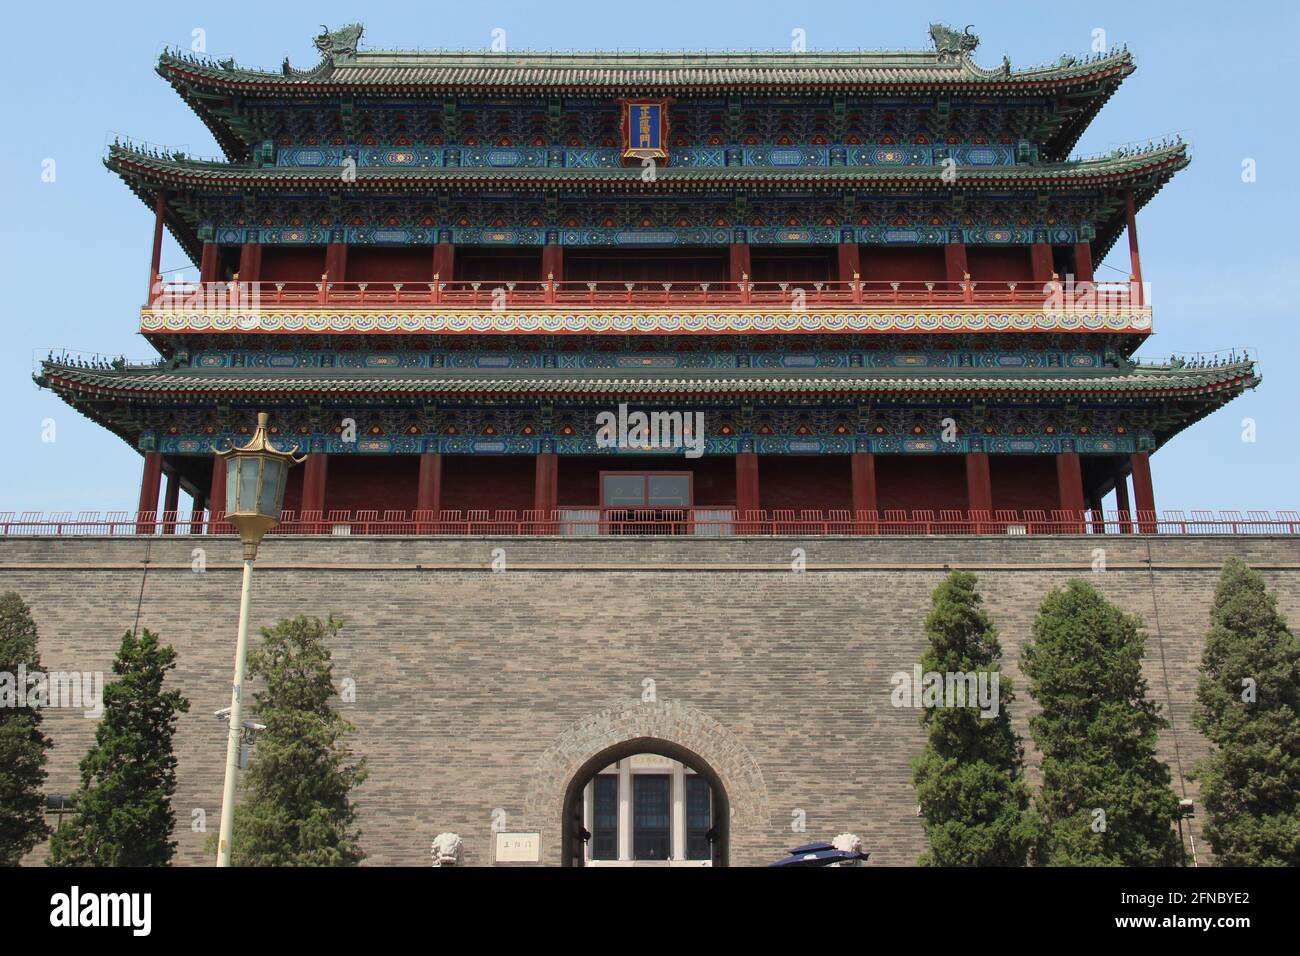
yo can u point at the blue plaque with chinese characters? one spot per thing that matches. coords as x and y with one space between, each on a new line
645 129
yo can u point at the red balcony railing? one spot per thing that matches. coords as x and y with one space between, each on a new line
697 522
510 294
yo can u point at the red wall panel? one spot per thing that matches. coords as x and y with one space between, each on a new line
903 264
918 482
371 482
1022 482
378 264
1000 263
487 482
819 483
293 489
292 263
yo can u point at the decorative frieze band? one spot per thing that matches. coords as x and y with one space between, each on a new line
337 322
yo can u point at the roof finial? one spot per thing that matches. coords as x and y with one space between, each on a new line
950 44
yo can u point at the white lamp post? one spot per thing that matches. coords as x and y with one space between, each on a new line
255 478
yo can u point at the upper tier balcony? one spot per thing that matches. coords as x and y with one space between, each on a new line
511 294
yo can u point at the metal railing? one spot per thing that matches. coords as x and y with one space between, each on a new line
698 522
236 295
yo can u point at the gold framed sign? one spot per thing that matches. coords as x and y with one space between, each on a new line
645 129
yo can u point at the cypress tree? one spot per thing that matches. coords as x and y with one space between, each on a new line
296 809
123 807
1249 694
1106 798
969 779
23 748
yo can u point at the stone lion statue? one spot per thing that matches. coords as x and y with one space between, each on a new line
448 849
949 43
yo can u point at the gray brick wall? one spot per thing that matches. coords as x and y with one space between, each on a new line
479 690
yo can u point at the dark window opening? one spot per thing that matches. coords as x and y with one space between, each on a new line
794 265
604 818
651 817
473 264
646 265
646 502
699 817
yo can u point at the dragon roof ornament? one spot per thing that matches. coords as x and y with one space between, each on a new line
339 46
951 44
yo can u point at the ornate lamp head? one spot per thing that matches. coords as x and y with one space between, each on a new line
255 480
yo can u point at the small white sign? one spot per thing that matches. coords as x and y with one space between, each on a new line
519 847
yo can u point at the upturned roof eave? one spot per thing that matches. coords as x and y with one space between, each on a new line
1137 383
1146 173
126 162
443 71
188 76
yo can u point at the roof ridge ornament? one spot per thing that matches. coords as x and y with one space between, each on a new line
339 46
951 44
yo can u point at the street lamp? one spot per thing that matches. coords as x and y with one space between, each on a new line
255 478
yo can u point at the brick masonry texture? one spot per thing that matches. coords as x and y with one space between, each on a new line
479 690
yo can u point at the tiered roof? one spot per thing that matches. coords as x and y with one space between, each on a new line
1130 381
1143 171
221 92
1181 395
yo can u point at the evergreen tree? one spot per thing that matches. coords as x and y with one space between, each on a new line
123 807
296 809
970 777
1106 798
22 745
1250 711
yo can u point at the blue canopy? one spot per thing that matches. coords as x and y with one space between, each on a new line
819 854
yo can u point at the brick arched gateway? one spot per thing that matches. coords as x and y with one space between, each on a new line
627 727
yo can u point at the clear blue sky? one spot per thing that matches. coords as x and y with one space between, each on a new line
75 252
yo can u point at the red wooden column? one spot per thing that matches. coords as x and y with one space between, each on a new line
1122 506
863 464
336 261
1069 479
954 260
208 262
250 262
196 514
1083 262
315 468
1144 496
553 262
850 260
1098 519
155 259
444 261
979 489
217 498
746 482
545 484
1040 254
428 495
171 501
739 263
1130 218
150 485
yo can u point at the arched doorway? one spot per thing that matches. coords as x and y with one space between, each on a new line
617 812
